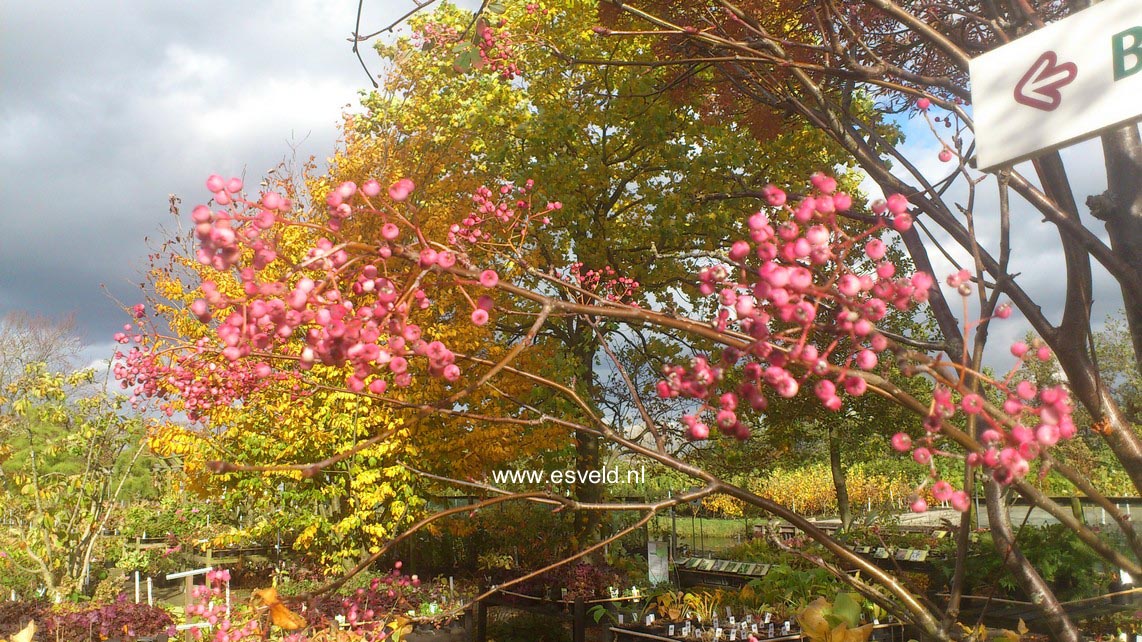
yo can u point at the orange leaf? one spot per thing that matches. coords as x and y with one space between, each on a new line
279 614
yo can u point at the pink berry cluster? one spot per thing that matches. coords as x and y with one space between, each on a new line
604 282
347 309
210 607
499 213
792 275
435 34
223 234
384 595
497 50
198 382
1030 421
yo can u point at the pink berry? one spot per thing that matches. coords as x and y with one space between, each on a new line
1047 434
945 155
479 317
823 182
489 278
875 249
960 501
739 250
923 104
842 202
897 204
866 360
400 190
774 196
1026 390
371 188
942 491
901 442
855 386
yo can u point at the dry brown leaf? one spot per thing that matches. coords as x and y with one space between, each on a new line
25 635
280 615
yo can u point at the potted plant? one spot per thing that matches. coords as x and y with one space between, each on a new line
835 621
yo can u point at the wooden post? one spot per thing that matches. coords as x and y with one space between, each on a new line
481 621
188 590
579 622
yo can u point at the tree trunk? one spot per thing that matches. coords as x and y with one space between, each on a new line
588 446
1121 208
1060 625
839 481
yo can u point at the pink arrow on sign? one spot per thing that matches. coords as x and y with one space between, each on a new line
1039 87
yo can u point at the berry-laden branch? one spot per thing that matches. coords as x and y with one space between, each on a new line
796 305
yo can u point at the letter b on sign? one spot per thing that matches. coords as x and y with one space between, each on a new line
1122 51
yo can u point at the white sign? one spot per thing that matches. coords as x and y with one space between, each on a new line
1065 82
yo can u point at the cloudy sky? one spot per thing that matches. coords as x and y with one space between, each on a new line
1036 256
107 108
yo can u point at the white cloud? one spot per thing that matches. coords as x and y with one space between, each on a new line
1036 253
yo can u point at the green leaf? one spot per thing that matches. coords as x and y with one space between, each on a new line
847 609
498 8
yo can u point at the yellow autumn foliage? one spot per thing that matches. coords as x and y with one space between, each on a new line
810 490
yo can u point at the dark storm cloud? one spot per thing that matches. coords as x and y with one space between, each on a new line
107 108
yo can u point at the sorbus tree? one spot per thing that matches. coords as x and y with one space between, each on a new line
787 300
913 59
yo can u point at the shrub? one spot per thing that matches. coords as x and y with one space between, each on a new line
14 615
121 618
1072 569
